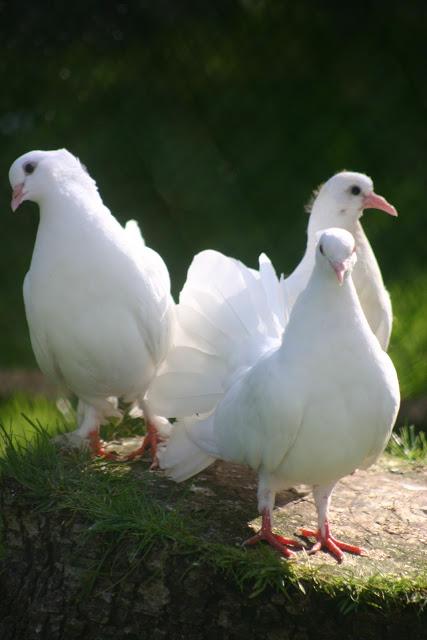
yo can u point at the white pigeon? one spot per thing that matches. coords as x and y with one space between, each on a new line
229 315
340 202
97 300
311 411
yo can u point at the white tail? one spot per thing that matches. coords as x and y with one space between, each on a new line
228 316
182 458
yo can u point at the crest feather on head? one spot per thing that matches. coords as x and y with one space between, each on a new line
309 206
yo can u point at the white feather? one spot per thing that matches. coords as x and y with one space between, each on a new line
237 314
97 299
314 409
182 457
335 206
230 315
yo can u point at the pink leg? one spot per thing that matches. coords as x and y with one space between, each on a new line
150 440
326 541
95 444
275 540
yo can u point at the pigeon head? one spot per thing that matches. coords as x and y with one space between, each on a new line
336 249
38 174
341 200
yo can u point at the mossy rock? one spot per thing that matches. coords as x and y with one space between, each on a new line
99 550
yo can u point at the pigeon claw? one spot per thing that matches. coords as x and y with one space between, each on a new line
150 440
95 444
277 541
331 544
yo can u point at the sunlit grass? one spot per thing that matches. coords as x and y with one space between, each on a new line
408 348
409 444
20 410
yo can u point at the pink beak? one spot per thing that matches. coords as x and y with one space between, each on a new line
340 268
18 196
378 202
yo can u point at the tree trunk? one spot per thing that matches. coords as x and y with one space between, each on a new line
56 585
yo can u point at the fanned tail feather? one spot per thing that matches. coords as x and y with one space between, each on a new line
181 458
228 317
188 382
134 232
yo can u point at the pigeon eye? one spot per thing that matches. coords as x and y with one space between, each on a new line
321 249
355 190
29 167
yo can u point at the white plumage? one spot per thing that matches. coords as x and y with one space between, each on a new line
229 315
340 202
312 410
227 318
97 300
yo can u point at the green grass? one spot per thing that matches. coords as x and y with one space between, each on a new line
20 412
409 444
408 348
111 500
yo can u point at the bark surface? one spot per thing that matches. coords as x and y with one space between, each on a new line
58 584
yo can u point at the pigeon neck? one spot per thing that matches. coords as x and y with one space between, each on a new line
324 278
321 218
70 200
322 307
362 242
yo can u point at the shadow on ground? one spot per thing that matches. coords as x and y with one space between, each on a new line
382 509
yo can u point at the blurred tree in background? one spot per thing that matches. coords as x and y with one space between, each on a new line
211 121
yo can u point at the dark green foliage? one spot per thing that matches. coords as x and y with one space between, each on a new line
212 122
